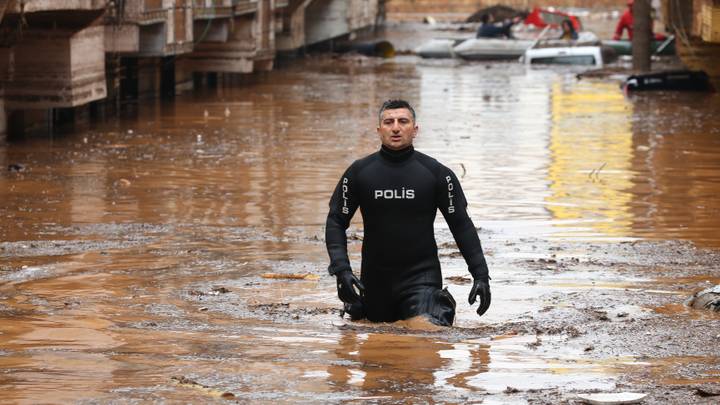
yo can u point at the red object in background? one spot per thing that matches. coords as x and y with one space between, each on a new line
542 18
626 23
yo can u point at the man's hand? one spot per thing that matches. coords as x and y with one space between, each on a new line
346 284
480 288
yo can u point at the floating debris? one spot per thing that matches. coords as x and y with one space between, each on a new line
123 183
16 167
220 290
459 279
613 398
705 393
291 276
186 382
596 172
676 80
708 298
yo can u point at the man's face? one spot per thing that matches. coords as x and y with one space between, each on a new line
397 128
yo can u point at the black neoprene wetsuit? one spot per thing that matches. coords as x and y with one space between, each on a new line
399 193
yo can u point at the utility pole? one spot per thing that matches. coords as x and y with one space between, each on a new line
642 35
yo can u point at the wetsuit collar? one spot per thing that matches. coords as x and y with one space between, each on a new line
396 155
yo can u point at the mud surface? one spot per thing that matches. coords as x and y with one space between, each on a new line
177 254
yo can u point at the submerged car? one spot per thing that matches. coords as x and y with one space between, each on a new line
594 55
586 51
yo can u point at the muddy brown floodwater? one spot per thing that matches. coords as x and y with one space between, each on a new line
136 253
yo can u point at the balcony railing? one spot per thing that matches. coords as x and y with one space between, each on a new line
204 13
244 6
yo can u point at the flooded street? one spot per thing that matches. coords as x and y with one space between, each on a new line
146 258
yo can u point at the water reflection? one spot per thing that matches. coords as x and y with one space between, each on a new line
382 364
591 151
54 377
676 164
489 123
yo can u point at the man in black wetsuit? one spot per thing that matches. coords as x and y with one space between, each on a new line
399 191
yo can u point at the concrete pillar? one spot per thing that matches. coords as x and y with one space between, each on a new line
5 68
292 36
148 77
15 124
167 77
3 116
326 19
183 75
265 36
235 55
57 68
70 119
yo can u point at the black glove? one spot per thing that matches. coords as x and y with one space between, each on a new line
346 284
480 288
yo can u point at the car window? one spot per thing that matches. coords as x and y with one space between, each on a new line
564 60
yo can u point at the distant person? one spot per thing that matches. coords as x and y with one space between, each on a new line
489 29
626 23
399 191
568 31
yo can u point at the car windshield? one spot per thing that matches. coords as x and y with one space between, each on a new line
564 60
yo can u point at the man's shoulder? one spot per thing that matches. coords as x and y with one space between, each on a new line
367 159
362 163
429 162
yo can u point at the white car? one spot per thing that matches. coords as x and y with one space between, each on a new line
570 55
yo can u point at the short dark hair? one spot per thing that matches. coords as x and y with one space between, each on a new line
394 105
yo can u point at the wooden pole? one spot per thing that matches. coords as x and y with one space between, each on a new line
642 35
